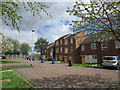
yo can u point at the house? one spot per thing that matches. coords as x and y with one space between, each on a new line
66 47
49 51
92 52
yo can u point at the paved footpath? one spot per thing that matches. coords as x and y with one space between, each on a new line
48 70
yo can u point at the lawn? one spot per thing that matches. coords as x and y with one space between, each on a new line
17 66
7 62
12 80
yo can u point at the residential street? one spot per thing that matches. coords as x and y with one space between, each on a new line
49 71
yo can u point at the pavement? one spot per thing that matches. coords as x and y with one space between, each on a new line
48 70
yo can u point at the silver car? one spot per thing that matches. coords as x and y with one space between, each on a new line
111 61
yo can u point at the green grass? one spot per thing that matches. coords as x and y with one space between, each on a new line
15 80
7 62
17 66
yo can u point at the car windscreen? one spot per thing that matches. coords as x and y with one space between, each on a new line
108 58
118 58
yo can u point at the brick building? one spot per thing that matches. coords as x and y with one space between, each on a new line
49 51
92 52
65 48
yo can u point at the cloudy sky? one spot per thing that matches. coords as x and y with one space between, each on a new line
49 28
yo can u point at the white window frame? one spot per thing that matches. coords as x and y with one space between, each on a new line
82 47
117 44
60 41
61 49
66 50
56 50
66 41
71 40
104 47
57 43
93 46
71 49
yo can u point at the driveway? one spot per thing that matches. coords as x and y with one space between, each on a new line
47 70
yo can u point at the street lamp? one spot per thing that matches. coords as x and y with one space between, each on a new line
33 30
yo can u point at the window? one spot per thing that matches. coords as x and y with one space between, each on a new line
94 57
71 49
117 44
66 50
60 41
57 42
71 40
82 47
93 46
103 46
61 49
56 50
66 41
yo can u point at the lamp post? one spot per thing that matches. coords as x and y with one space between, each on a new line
33 30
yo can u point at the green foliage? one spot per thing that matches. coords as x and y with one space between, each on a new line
10 11
97 17
40 44
15 81
24 48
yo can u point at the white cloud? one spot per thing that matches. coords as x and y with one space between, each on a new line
58 29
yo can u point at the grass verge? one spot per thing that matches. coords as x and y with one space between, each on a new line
12 80
7 62
17 66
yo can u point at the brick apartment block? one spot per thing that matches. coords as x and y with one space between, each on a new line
92 52
65 48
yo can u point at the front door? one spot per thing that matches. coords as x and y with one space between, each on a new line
83 59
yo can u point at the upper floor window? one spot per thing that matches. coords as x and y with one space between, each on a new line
103 46
66 50
60 41
66 41
57 42
117 44
82 47
71 40
71 49
57 50
93 46
61 49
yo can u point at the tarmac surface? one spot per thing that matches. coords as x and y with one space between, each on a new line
48 70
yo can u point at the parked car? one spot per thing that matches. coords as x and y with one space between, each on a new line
111 61
0 57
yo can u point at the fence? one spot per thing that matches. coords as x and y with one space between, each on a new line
9 56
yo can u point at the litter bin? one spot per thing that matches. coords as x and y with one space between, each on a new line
33 59
70 63
53 61
42 60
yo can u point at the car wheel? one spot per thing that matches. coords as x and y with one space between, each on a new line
118 67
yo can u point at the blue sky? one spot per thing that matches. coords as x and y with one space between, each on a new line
49 28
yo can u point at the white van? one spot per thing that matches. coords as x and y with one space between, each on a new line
111 61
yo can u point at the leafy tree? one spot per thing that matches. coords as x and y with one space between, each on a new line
40 44
102 18
24 48
10 11
6 46
16 46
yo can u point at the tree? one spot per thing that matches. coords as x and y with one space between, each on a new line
40 44
10 11
24 48
16 46
102 18
6 46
